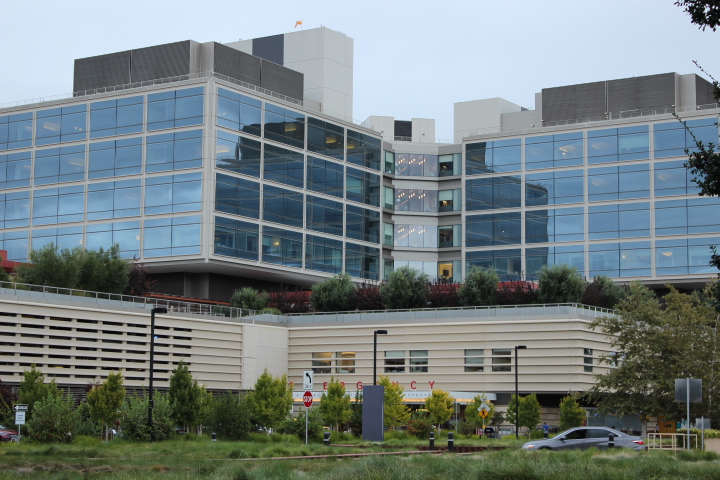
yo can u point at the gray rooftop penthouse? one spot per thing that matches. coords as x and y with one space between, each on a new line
220 166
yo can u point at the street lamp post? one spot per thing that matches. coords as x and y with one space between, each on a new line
152 364
517 395
375 334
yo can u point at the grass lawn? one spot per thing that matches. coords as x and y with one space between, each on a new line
200 458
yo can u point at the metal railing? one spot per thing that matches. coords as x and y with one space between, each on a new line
671 441
632 114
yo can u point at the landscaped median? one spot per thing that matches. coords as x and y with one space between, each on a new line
283 457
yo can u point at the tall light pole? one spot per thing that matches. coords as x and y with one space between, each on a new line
152 365
517 395
375 334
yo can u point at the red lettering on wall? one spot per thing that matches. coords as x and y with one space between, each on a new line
324 385
412 384
358 385
431 384
342 384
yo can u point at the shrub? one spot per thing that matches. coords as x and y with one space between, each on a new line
466 428
135 418
53 420
85 425
442 294
296 425
420 426
603 292
333 295
516 292
479 287
367 297
230 417
249 299
405 289
560 284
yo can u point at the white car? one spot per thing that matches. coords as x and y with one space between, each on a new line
583 438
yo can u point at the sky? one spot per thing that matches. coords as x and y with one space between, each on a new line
413 59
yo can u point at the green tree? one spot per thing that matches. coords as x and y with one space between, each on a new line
395 412
103 270
248 298
33 389
135 418
185 396
333 295
355 423
560 284
270 400
479 287
405 288
511 409
603 292
704 13
440 406
50 266
529 411
335 404
472 414
231 417
571 413
655 344
85 424
54 420
4 277
106 401
496 419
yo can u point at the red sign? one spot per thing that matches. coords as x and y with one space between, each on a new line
307 399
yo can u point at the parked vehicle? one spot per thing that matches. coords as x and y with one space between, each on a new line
583 438
7 434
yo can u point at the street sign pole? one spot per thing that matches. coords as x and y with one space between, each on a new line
307 401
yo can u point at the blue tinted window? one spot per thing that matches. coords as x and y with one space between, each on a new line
627 259
324 215
363 187
672 178
115 158
16 131
416 200
56 165
234 238
681 217
634 143
239 112
63 238
104 235
116 117
554 225
549 151
58 125
362 261
171 236
114 199
554 188
58 205
15 244
325 177
362 224
323 254
363 150
685 256
536 258
495 229
282 206
603 146
282 247
237 196
173 193
14 209
619 221
173 151
416 165
15 170
325 138
237 154
284 166
672 139
617 183
507 263
490 193
179 108
284 125
490 157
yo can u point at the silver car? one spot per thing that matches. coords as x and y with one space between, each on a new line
583 438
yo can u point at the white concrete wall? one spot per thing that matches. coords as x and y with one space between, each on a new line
481 116
384 125
264 347
423 130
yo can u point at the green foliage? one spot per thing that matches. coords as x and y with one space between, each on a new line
560 284
496 419
473 415
571 413
466 427
395 412
440 406
105 401
54 420
420 426
529 411
230 417
405 289
135 418
603 292
333 295
249 299
185 396
4 276
270 400
85 425
355 422
479 287
335 404
296 425
99 271
33 389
